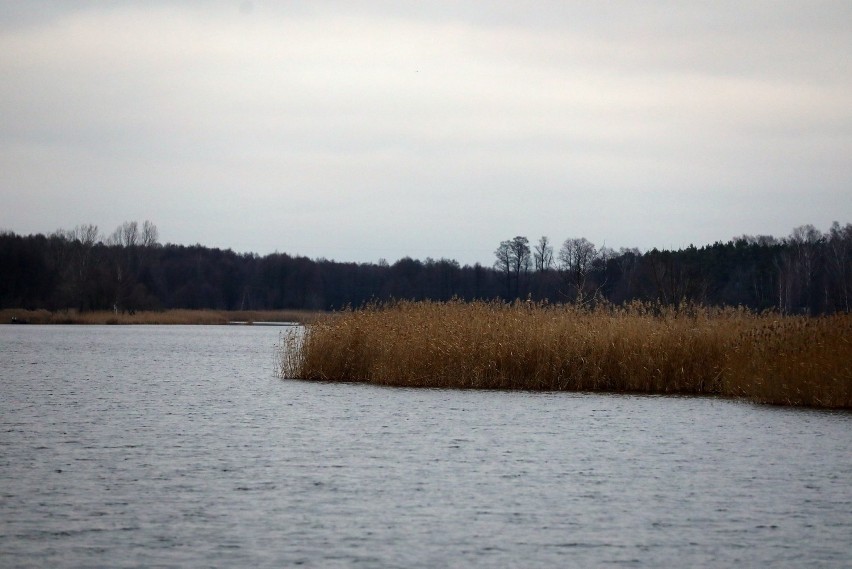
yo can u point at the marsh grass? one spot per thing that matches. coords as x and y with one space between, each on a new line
793 361
155 317
640 348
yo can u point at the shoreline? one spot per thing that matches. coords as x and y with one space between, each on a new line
17 316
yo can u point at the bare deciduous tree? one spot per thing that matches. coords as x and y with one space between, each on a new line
543 255
150 234
513 260
126 234
576 257
520 247
86 234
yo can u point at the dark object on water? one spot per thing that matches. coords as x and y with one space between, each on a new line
16 321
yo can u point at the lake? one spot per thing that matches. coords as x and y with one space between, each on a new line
177 446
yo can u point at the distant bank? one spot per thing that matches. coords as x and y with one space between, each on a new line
221 317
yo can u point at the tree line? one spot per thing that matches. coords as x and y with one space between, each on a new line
806 272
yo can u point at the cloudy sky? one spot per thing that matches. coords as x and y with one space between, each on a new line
364 130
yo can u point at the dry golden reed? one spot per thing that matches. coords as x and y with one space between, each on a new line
794 361
639 347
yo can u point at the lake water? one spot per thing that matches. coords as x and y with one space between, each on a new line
177 446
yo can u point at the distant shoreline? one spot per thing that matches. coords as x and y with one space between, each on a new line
13 316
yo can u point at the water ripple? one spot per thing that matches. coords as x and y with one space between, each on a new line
176 446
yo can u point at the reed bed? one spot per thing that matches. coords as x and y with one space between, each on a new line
155 317
794 361
639 347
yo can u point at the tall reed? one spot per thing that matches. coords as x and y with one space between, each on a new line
634 348
793 361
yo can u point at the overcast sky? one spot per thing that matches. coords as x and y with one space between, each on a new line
426 129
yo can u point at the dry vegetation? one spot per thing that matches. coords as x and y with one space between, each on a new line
155 317
636 348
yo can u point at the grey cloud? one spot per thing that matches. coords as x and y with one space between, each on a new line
424 126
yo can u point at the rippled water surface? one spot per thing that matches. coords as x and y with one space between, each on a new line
177 446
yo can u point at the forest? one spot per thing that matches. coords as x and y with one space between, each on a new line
806 272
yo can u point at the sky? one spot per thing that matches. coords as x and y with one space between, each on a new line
360 131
